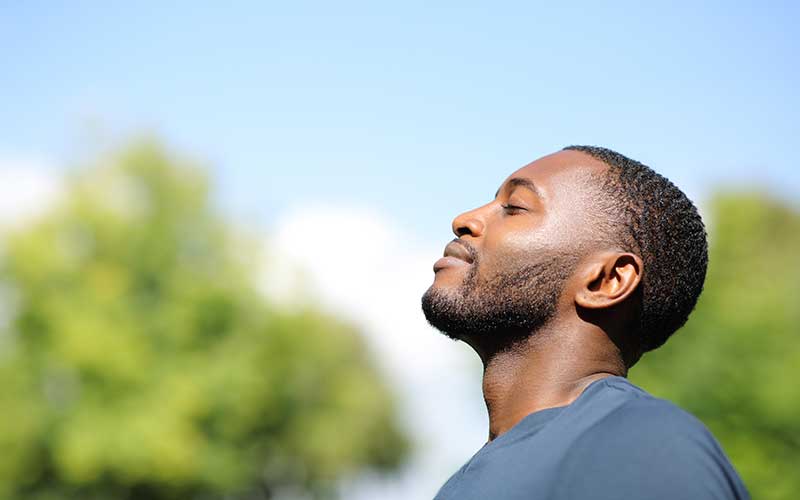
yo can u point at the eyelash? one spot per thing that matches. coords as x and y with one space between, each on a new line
512 209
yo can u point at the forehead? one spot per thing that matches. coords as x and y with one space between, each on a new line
560 174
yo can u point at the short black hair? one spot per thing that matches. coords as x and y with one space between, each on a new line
659 223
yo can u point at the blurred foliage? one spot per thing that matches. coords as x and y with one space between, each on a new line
139 361
736 363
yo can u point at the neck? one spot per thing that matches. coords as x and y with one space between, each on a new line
550 368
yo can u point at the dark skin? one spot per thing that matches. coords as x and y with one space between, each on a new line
546 205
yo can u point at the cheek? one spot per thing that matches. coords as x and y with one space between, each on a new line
516 245
515 249
505 257
556 231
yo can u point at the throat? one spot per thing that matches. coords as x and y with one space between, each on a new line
522 381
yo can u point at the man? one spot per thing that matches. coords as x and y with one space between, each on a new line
584 260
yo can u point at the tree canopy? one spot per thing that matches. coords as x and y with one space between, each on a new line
736 363
139 361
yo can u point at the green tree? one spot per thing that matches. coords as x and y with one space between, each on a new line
138 360
736 363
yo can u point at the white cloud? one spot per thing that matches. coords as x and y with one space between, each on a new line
28 186
360 264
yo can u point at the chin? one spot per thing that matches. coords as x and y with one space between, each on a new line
449 278
443 310
446 290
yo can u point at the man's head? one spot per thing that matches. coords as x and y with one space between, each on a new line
585 232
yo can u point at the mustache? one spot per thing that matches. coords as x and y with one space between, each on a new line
473 253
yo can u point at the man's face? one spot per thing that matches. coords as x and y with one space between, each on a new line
507 270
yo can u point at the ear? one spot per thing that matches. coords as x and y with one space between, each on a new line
609 279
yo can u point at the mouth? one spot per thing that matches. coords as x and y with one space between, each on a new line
456 254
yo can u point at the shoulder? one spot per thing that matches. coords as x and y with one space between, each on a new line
646 418
622 411
649 447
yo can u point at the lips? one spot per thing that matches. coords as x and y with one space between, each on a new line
456 254
457 249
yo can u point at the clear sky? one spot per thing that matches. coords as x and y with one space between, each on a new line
415 109
369 126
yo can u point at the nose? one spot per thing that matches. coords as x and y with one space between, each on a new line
468 223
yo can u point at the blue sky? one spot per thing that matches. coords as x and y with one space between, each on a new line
369 126
414 109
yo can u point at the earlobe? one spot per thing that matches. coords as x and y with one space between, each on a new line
609 280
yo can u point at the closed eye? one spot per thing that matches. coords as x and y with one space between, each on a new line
513 209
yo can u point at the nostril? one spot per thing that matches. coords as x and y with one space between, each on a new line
467 224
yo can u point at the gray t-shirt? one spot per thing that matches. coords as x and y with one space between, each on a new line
614 442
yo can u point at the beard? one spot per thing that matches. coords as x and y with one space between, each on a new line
509 306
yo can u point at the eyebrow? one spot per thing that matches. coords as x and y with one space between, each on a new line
521 182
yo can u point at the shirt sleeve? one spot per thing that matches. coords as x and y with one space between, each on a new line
648 449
